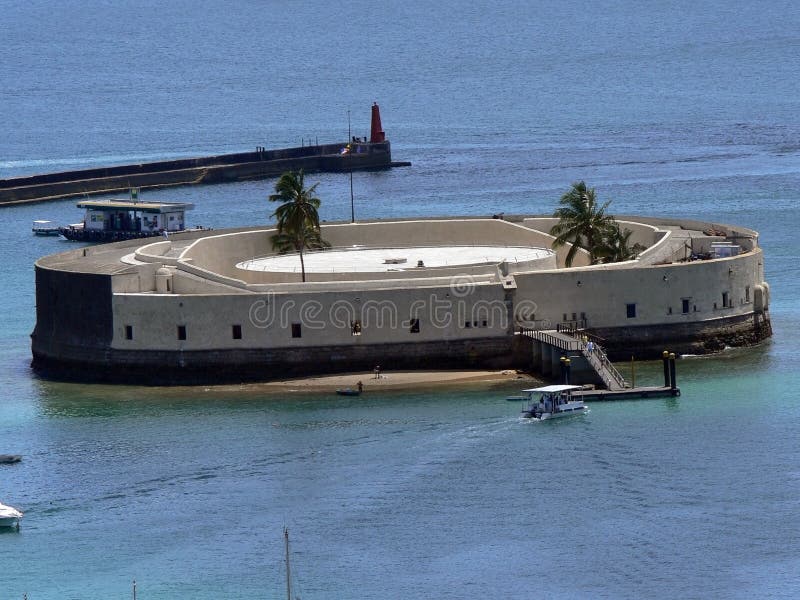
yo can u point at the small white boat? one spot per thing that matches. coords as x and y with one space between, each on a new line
41 227
552 402
9 516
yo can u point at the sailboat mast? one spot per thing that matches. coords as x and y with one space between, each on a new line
288 573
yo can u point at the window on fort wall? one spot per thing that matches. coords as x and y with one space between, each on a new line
355 327
631 310
182 332
236 332
685 305
747 293
296 331
128 332
414 326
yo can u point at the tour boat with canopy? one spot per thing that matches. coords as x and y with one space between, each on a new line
552 402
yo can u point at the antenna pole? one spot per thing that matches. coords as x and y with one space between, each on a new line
288 574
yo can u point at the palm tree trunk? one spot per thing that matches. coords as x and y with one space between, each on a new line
302 265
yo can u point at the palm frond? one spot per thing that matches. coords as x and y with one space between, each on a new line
582 223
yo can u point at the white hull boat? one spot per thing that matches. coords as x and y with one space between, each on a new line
9 516
552 402
41 227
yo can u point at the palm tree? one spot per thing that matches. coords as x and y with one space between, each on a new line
582 223
616 246
297 217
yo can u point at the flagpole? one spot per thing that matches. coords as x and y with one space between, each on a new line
352 202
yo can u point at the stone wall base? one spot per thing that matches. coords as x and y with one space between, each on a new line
155 367
151 367
705 337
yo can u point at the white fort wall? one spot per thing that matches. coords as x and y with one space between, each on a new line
325 318
601 295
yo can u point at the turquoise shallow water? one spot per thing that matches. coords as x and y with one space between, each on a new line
671 110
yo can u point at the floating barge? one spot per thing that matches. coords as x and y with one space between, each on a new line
118 220
354 155
637 393
670 388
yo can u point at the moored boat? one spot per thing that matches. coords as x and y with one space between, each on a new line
552 402
350 391
42 227
9 516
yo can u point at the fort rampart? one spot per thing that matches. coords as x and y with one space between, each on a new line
184 311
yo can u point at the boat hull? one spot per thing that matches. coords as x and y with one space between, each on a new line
97 235
547 416
9 521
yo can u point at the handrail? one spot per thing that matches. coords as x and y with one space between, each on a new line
600 362
559 342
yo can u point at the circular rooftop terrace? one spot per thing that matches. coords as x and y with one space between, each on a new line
360 259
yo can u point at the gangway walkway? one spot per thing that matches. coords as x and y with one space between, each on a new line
594 355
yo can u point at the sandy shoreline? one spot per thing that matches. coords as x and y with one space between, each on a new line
395 380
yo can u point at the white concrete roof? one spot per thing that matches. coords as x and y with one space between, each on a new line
371 260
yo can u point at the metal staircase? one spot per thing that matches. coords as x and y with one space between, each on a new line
605 370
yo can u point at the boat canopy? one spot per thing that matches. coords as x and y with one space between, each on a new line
145 207
549 389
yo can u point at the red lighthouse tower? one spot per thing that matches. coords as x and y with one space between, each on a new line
376 131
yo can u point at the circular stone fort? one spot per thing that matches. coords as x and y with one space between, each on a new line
221 306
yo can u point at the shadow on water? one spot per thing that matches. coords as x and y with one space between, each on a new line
57 399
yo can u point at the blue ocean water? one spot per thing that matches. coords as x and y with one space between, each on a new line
677 108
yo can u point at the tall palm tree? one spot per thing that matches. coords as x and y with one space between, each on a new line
582 222
297 217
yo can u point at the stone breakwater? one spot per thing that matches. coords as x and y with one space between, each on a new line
223 168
